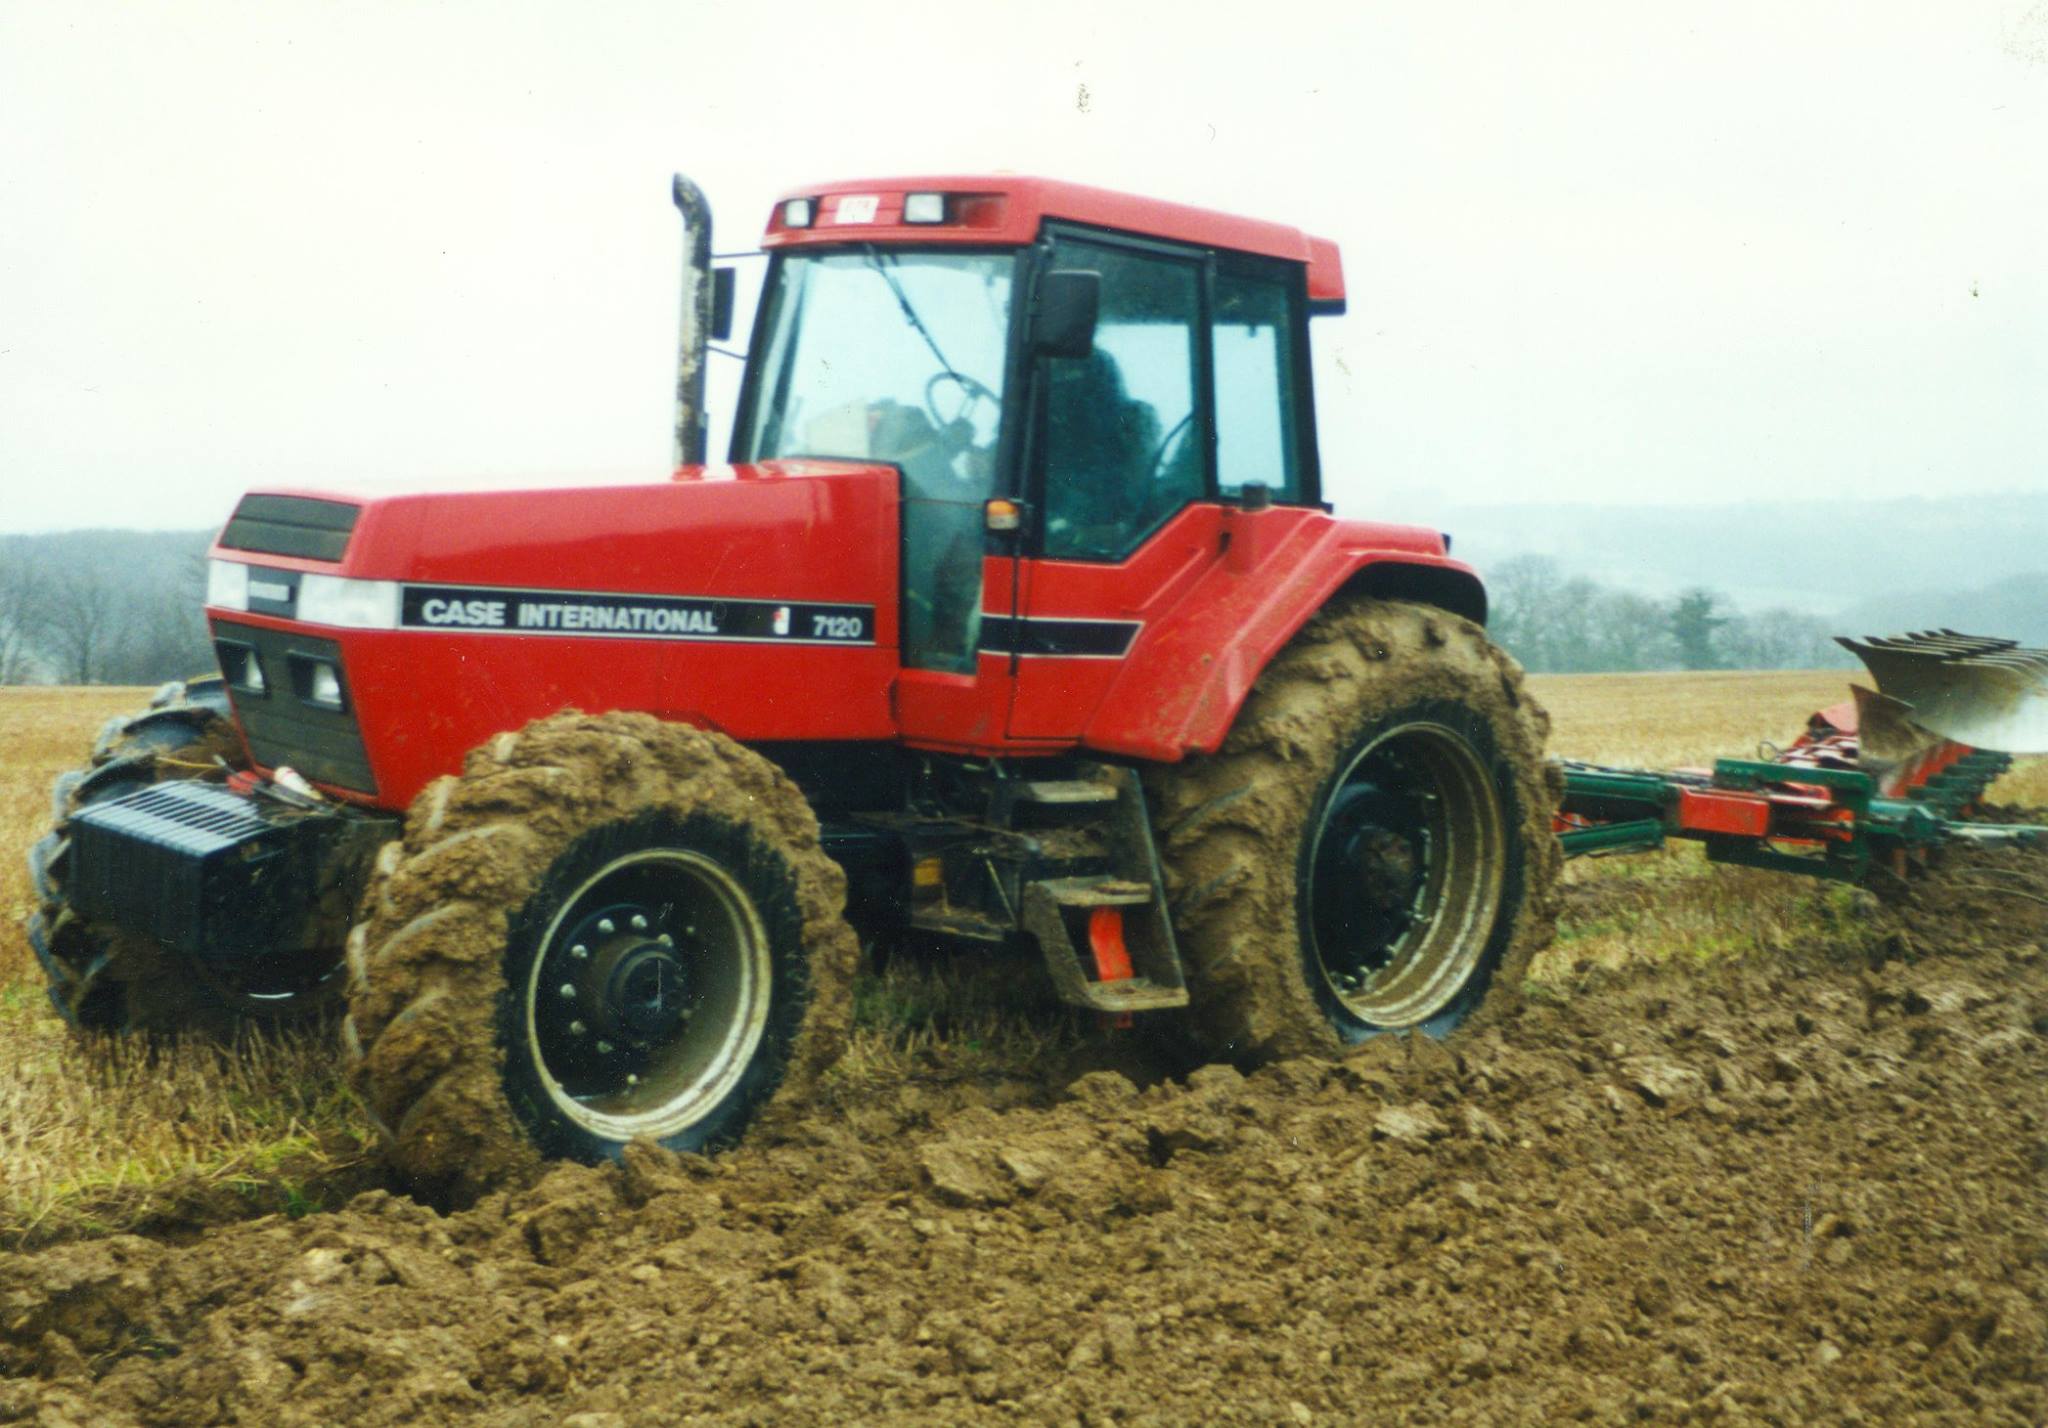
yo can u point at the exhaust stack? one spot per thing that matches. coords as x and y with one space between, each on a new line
693 422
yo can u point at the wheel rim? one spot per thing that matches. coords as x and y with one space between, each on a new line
650 995
1406 873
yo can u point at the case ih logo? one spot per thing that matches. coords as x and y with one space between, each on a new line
670 617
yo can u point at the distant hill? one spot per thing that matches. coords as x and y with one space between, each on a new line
2016 608
144 554
1824 552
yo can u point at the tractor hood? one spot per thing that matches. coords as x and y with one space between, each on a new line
720 530
758 600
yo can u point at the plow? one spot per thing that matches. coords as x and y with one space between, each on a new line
1874 785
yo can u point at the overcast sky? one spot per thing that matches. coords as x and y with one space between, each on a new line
1613 252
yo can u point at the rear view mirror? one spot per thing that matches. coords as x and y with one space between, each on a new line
721 304
1064 312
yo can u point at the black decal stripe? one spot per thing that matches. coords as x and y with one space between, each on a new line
1072 639
607 615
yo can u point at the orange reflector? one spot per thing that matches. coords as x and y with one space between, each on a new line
1003 515
1112 958
927 873
1106 941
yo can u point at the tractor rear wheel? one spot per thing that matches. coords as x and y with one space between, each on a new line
607 928
105 979
1370 850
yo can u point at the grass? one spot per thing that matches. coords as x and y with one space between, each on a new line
989 1016
100 1137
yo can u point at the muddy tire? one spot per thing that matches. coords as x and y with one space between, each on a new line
102 978
1370 850
606 927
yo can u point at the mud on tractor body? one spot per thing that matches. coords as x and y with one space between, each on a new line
1017 617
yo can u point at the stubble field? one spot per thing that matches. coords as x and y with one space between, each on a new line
1744 1149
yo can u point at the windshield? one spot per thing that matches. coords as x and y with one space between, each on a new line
886 356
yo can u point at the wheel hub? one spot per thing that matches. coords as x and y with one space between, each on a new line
1369 877
624 981
644 996
1388 866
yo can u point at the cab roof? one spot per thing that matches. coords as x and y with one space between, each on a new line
1008 210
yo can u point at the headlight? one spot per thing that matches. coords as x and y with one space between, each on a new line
227 585
354 604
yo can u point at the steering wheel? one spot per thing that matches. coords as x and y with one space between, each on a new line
973 391
1165 448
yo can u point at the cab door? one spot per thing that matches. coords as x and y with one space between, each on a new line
1118 474
1195 390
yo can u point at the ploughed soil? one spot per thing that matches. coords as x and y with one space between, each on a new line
1808 1191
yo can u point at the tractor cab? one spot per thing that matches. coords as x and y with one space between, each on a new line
1060 395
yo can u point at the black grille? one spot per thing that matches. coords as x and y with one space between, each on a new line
196 866
291 525
197 818
323 744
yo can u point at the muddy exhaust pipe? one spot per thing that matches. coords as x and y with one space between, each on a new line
1985 692
693 422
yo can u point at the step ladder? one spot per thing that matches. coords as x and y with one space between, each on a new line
1128 943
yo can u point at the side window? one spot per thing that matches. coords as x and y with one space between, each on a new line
1123 439
1255 409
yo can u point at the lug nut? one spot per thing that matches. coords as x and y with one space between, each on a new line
568 991
631 1079
607 926
604 1048
639 923
580 952
666 940
577 1028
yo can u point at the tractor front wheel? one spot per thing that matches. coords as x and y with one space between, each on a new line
607 928
1371 848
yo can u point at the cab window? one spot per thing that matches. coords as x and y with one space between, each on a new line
1123 435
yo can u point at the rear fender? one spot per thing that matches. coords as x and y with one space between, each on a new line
1193 667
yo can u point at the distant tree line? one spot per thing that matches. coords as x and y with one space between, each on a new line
102 607
1557 622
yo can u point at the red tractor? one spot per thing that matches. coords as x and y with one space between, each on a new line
1016 617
